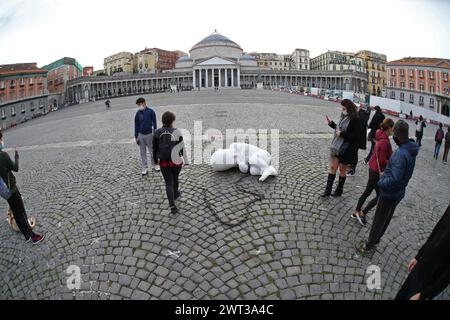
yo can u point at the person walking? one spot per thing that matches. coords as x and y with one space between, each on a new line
374 125
344 147
429 271
446 145
15 200
438 137
420 125
392 184
144 126
377 164
363 118
168 152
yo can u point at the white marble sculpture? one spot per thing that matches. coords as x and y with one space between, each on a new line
247 157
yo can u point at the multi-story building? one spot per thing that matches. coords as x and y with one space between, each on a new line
300 59
338 61
23 93
165 59
420 81
273 61
375 64
59 72
121 63
145 62
88 71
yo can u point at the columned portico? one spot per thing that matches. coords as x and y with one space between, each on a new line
216 72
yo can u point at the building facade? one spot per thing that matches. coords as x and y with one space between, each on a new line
420 81
121 63
23 93
272 61
300 59
214 62
338 61
88 71
145 62
375 64
59 72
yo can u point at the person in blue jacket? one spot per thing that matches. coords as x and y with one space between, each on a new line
392 184
144 127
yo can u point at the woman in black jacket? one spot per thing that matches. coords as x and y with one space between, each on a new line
344 146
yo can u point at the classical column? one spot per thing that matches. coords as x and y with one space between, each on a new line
232 77
206 78
239 77
226 77
193 78
220 77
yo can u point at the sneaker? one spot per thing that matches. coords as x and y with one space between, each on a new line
173 210
354 215
350 173
144 172
362 219
361 249
36 238
366 161
156 168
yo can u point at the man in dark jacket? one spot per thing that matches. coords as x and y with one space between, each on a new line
429 271
363 118
374 125
144 126
392 184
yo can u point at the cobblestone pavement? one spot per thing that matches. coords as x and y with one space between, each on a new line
80 177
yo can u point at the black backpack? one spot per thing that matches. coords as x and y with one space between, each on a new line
167 142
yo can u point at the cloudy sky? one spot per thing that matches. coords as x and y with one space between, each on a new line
89 30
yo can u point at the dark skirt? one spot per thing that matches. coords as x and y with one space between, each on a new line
350 155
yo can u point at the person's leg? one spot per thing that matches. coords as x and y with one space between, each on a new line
143 150
18 209
168 179
388 220
148 138
176 174
438 149
444 157
369 188
334 163
382 214
342 177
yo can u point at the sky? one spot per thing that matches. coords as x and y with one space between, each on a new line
43 31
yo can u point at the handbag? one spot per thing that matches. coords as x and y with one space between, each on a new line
343 148
5 193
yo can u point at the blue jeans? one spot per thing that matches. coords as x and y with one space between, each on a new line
437 147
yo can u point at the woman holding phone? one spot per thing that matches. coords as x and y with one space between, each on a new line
344 146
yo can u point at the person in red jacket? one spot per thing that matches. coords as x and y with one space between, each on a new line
377 163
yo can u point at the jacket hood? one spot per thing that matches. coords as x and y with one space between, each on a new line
381 135
411 147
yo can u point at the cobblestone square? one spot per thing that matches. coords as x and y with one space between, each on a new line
80 177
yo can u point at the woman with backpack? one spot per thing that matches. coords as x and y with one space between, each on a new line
438 137
344 147
377 163
15 198
168 152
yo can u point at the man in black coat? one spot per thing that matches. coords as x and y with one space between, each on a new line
374 125
363 118
429 271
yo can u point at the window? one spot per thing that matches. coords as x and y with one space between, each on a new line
13 111
12 84
432 89
411 98
432 103
421 73
411 86
393 72
402 72
31 81
421 100
392 94
22 107
3 114
402 96
32 106
444 74
22 82
41 105
411 72
2 85
402 85
431 74
421 87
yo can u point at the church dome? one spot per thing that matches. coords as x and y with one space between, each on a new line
216 45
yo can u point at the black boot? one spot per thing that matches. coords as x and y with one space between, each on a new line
329 186
340 187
